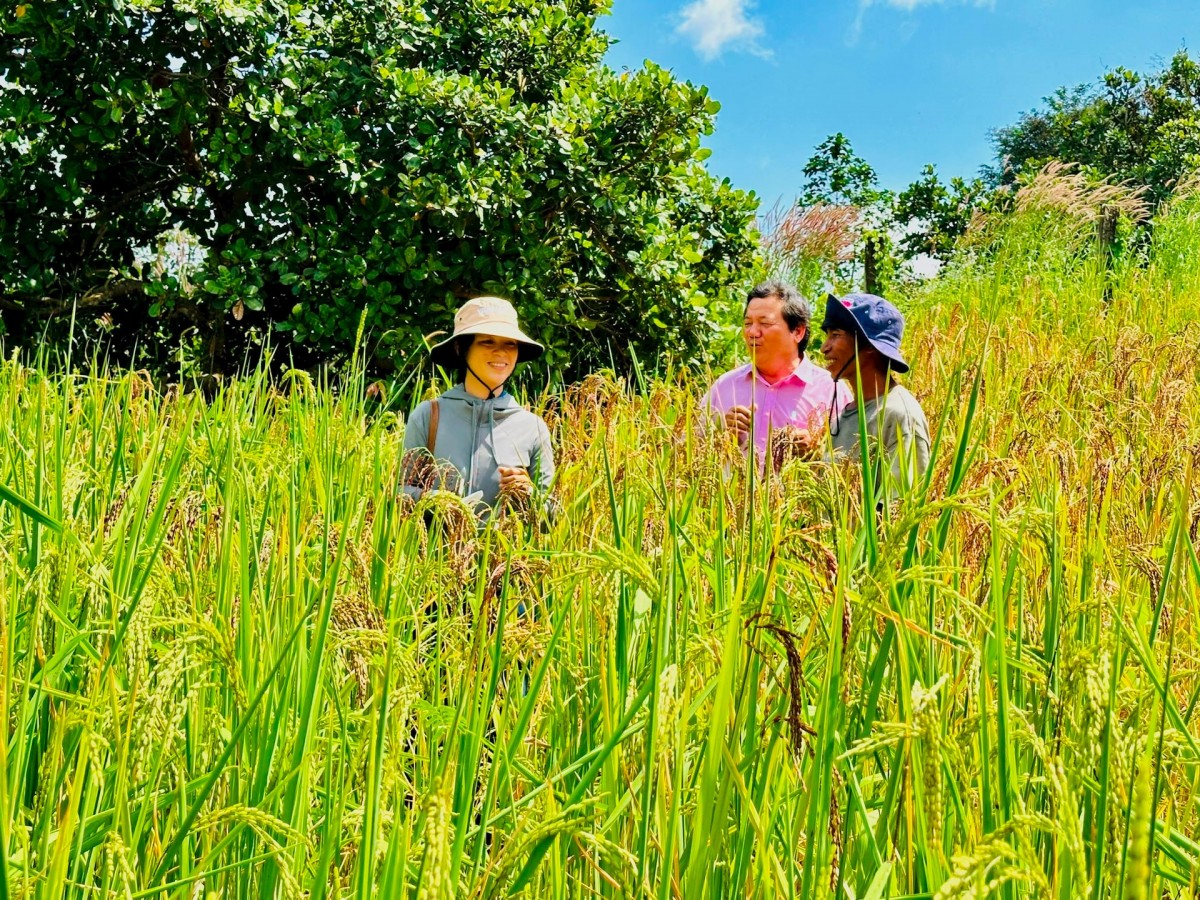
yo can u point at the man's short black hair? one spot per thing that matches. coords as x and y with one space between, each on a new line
796 310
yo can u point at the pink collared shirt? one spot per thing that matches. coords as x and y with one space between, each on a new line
802 398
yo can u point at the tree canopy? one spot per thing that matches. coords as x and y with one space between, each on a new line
336 165
1143 129
837 176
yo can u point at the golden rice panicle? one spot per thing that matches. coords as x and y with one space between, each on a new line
666 711
117 867
1137 867
837 834
454 522
438 838
1114 822
360 629
1087 672
791 443
927 719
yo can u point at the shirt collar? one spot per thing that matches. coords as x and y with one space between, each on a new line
797 375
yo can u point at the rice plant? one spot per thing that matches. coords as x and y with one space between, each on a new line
238 666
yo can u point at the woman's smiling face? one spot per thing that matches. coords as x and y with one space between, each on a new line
491 359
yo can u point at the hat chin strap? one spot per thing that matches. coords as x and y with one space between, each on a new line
842 370
836 379
493 393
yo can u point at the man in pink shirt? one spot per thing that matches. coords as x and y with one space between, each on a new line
779 387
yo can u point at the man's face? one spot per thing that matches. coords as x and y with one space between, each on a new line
770 342
838 351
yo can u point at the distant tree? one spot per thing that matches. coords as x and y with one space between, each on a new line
331 162
1141 128
836 176
932 215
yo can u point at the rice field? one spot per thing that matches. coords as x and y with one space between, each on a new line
235 666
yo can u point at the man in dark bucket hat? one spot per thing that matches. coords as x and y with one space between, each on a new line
862 347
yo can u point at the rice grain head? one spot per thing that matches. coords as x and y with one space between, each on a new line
1137 871
438 838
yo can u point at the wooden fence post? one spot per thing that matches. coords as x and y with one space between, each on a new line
1106 237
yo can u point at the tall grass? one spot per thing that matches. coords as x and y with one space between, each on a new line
237 667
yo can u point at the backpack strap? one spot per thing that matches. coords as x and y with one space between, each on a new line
431 441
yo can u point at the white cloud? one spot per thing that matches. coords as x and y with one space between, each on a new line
910 5
714 25
906 6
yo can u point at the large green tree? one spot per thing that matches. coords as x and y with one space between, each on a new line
339 163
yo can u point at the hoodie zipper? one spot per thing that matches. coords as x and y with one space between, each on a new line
474 449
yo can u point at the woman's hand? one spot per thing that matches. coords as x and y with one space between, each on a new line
515 480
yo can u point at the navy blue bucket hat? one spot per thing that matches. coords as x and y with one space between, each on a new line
873 319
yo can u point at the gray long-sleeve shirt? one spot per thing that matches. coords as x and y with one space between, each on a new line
896 423
478 436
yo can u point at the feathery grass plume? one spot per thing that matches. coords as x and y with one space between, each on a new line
806 244
1064 187
1045 248
1172 261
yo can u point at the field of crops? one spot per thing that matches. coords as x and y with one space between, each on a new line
235 667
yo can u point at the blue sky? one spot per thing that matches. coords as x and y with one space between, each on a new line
907 81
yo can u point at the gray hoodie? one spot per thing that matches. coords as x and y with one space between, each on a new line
478 436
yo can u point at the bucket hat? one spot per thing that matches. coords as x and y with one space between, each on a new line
872 318
486 315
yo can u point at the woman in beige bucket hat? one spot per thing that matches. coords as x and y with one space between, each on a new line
489 445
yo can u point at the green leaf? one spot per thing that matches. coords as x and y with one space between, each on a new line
8 495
